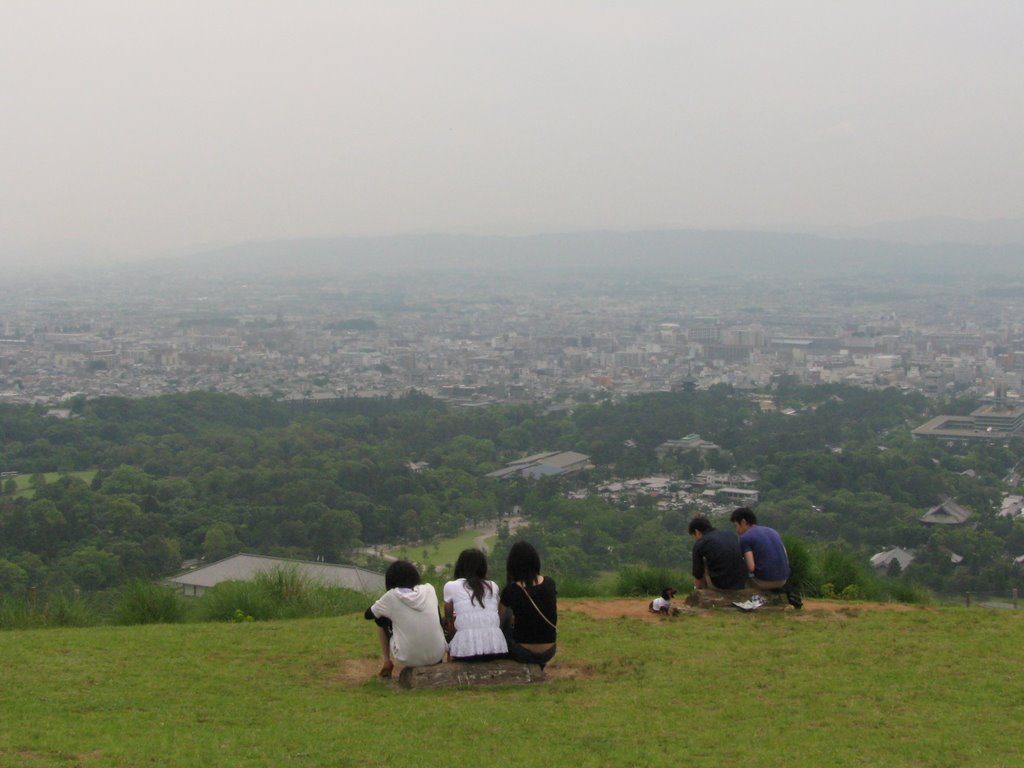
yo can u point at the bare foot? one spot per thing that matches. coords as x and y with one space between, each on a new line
387 669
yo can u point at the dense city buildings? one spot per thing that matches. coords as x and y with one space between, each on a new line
475 339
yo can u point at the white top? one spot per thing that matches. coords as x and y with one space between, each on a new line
659 603
417 640
477 627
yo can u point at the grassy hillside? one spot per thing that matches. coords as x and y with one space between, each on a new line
852 687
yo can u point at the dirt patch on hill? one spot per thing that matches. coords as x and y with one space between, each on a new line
570 669
356 672
631 608
635 608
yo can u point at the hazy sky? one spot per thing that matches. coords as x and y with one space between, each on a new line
144 126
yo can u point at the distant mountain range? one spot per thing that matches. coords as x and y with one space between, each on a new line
939 246
704 252
938 229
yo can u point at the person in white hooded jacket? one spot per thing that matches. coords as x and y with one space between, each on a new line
408 622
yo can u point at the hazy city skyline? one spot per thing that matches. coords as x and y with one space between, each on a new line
139 127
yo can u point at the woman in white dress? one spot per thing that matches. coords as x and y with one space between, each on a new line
471 609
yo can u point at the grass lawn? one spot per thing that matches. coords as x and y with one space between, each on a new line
26 491
444 551
916 687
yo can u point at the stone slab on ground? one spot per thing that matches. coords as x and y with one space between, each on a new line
724 598
462 674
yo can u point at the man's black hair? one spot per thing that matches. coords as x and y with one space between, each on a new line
743 514
401 573
701 524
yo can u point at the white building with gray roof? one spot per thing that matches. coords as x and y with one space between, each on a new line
243 567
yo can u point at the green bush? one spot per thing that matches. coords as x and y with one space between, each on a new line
903 592
849 592
636 581
62 610
57 610
570 586
802 578
16 613
142 602
844 575
221 602
284 585
282 593
335 601
841 569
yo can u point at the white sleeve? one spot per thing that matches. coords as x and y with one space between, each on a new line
449 591
380 608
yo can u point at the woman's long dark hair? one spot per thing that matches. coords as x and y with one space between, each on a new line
523 563
472 566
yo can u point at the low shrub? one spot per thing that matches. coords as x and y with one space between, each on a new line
282 593
58 609
802 577
62 610
849 592
335 601
903 592
637 581
220 603
842 569
841 574
142 602
16 613
285 585
569 586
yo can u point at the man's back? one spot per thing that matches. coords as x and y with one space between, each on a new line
721 551
770 559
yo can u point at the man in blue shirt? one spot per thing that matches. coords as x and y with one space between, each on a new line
763 550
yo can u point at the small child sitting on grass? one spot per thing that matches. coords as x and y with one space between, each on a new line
663 604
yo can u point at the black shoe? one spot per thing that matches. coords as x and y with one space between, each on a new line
795 600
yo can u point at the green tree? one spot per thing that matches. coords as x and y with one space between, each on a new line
13 578
93 569
336 532
220 541
128 481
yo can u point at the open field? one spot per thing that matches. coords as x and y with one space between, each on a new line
444 552
27 491
835 685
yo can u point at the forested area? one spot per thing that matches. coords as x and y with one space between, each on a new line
205 475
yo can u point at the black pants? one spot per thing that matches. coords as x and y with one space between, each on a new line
516 652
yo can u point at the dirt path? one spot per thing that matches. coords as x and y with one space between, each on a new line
480 542
636 608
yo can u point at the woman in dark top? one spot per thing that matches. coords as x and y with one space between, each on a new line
528 607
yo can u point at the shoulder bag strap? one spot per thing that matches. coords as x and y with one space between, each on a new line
546 619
